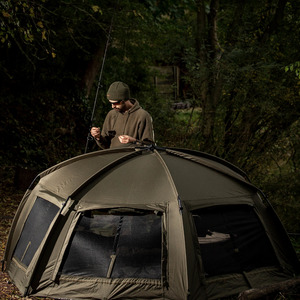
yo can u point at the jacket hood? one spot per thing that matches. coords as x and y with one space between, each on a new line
135 107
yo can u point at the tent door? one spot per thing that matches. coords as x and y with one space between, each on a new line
115 245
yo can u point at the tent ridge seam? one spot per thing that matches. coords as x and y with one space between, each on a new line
198 160
103 170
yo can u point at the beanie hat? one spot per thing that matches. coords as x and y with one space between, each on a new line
118 91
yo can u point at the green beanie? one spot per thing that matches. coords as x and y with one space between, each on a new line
118 91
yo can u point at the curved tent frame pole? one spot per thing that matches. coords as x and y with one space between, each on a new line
89 137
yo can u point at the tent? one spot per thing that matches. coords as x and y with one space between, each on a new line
146 223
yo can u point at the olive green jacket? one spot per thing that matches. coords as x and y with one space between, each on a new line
136 122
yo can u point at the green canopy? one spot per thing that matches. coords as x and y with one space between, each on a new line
146 223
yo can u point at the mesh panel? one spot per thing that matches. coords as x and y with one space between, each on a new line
35 228
232 240
91 246
116 246
139 248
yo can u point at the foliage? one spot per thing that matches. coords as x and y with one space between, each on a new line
295 239
23 24
295 67
44 115
250 105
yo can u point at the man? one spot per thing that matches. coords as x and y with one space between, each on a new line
127 123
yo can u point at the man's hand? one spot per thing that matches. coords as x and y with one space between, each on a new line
125 139
95 133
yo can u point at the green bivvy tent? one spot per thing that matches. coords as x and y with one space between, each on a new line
146 223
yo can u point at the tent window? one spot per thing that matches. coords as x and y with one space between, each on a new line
232 240
35 228
126 245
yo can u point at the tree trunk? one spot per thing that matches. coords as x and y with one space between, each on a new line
213 80
275 21
93 67
201 28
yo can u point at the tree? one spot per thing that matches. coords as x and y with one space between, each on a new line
233 63
46 71
249 104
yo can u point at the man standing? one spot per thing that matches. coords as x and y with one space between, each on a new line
126 123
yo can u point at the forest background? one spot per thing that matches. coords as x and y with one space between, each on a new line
239 76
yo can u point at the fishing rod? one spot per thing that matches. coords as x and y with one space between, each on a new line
89 137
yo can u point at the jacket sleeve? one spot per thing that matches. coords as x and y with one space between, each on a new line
146 132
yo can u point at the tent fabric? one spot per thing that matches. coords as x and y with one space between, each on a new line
146 223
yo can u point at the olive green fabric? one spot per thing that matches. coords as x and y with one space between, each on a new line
135 122
174 184
118 91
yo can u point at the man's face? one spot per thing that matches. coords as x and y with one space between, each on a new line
118 106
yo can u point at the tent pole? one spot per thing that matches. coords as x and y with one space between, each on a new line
115 246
